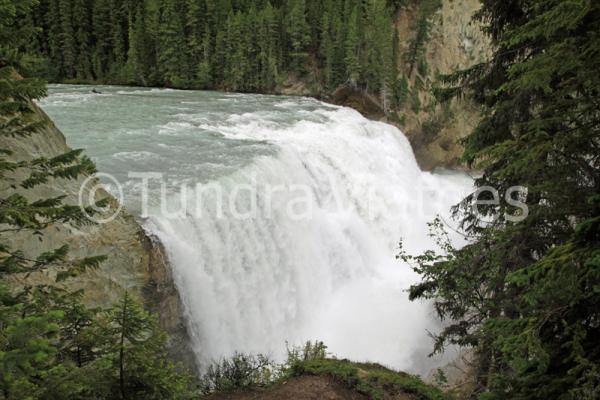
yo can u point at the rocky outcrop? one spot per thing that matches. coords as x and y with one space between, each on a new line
455 42
136 263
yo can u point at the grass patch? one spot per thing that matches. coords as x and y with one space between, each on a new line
372 380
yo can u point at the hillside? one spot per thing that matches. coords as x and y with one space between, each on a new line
333 379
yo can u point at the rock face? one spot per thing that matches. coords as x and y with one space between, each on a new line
456 42
136 263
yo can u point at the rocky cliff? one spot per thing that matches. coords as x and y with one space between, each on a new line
136 263
453 42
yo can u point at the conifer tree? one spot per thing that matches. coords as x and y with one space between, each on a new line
268 48
353 49
53 22
68 47
137 354
327 51
28 362
337 51
203 74
172 47
378 50
298 32
103 53
82 23
139 59
118 36
524 292
236 63
417 43
195 30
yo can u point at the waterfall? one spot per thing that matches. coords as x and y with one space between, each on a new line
294 213
256 276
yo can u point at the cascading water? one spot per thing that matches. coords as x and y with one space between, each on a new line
294 209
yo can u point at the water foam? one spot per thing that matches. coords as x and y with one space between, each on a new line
253 284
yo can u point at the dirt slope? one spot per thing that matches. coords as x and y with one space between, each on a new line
300 388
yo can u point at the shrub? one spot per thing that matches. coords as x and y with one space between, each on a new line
239 371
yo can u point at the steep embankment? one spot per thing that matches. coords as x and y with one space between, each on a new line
136 263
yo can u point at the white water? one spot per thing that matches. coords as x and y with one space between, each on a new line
322 267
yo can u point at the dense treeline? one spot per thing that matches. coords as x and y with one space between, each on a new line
525 292
241 45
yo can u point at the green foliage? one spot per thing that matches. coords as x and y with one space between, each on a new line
172 60
239 372
353 49
50 343
372 380
134 358
243 370
298 31
525 295
417 44
378 53
208 44
431 127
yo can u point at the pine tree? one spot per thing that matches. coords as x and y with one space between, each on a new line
118 35
137 353
138 60
82 23
219 57
236 61
53 20
49 342
28 361
353 49
103 53
298 32
327 52
338 51
195 25
68 46
267 52
416 47
378 52
524 292
172 49
203 74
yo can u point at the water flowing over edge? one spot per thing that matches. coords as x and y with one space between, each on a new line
253 284
297 244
